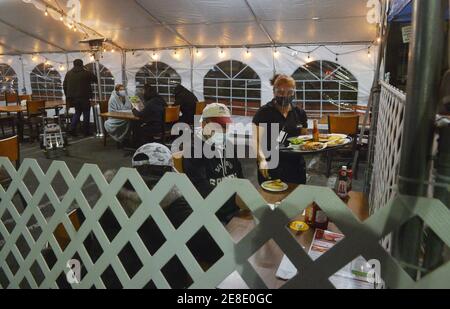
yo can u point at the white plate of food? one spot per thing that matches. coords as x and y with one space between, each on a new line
326 138
339 142
274 186
311 147
296 142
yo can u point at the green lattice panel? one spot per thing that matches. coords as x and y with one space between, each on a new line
362 238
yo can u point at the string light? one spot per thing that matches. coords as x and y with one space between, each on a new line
61 17
368 53
113 50
62 67
46 12
221 53
379 40
155 55
34 58
276 53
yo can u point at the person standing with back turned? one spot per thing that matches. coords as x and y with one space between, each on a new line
78 91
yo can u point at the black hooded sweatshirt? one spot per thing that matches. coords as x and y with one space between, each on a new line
153 113
187 101
77 84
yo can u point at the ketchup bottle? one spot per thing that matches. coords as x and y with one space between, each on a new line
316 217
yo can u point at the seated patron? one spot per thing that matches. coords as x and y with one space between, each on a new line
118 102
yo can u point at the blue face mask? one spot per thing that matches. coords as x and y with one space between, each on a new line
122 93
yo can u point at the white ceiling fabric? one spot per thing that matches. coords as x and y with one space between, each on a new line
147 24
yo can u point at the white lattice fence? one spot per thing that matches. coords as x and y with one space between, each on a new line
18 268
387 147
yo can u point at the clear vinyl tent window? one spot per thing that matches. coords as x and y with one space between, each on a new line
106 81
161 76
8 80
46 83
234 84
325 87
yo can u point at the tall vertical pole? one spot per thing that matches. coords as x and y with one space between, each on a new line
96 107
24 81
124 69
425 69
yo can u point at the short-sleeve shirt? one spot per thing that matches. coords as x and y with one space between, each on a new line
295 121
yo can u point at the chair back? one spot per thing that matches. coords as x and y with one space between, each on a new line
172 114
11 99
60 233
343 124
103 106
177 158
36 107
26 97
9 148
199 107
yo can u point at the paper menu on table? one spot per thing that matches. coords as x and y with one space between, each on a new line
349 277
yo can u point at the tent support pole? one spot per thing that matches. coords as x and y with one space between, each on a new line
192 69
425 69
96 108
124 70
24 85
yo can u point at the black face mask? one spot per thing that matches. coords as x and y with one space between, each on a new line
284 101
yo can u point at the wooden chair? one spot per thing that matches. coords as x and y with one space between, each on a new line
177 158
60 233
104 107
9 148
199 107
343 124
26 97
171 116
35 111
8 119
11 99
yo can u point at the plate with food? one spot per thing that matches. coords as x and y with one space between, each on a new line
312 147
325 138
274 186
339 142
296 142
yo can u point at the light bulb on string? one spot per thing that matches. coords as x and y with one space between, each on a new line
62 67
221 53
46 12
113 50
337 57
61 17
276 53
369 55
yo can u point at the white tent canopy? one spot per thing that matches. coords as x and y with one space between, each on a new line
35 31
137 24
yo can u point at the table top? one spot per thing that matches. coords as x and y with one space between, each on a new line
269 257
120 115
19 108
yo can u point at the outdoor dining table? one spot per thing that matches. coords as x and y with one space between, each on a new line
270 255
19 110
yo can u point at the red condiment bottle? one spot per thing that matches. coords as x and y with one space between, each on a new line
316 217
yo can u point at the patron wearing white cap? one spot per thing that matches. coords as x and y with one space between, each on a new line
206 172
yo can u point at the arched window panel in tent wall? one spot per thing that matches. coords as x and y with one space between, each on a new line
9 82
161 76
325 87
46 83
234 84
107 82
